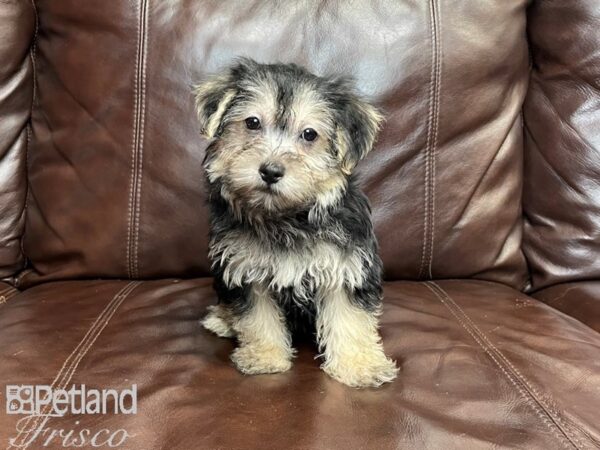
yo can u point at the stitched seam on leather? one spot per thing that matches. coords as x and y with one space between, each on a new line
78 354
531 388
5 290
142 134
427 141
137 143
435 134
32 54
530 395
431 141
11 294
539 397
545 404
133 151
71 363
7 293
4 298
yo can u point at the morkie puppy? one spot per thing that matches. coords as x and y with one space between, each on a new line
291 242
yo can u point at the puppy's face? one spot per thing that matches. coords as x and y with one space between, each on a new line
284 138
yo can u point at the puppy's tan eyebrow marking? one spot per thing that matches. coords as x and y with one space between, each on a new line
310 110
260 100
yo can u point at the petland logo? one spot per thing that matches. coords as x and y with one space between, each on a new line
37 400
39 403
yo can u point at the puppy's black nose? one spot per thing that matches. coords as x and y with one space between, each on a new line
271 172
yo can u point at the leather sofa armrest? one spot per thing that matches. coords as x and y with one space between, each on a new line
17 35
561 204
580 300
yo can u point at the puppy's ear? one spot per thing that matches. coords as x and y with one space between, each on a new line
213 97
357 125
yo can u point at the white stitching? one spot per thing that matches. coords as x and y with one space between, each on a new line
520 389
133 154
138 142
431 141
531 396
141 132
435 134
73 360
120 299
77 352
427 142
7 293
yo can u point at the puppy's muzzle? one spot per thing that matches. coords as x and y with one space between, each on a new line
271 172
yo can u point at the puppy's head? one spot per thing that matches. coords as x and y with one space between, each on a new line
284 139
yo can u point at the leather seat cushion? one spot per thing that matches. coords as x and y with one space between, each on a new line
481 364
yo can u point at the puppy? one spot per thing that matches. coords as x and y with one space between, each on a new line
291 241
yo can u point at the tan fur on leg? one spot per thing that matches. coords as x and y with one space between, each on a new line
265 343
351 344
219 320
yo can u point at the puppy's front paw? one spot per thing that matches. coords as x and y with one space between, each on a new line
218 321
254 359
368 369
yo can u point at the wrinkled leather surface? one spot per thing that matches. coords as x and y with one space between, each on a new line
580 300
116 182
562 165
7 292
17 25
483 366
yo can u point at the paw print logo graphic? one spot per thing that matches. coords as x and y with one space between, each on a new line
19 399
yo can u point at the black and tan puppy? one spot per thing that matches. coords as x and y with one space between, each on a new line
292 243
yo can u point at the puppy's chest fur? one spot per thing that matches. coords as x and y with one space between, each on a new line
293 268
300 257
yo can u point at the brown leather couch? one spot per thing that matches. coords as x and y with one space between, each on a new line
485 185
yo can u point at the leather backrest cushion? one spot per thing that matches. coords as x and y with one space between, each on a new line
562 128
116 178
17 29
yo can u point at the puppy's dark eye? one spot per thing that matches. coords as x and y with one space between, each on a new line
309 134
252 123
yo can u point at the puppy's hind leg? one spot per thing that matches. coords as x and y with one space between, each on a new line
219 320
264 341
350 343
